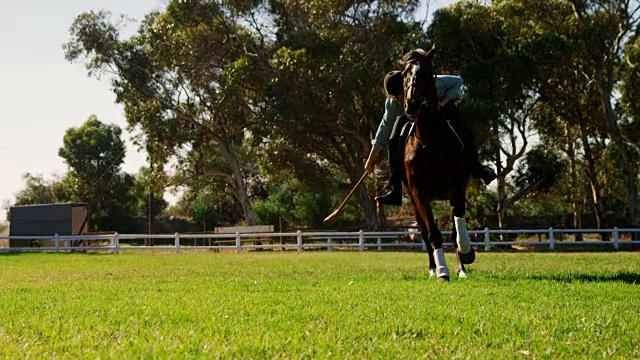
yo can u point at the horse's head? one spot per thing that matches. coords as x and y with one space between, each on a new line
419 81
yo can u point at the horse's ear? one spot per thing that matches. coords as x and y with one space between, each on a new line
431 54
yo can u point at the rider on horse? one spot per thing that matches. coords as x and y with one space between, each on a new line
449 88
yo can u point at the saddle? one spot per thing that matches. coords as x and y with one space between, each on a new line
409 130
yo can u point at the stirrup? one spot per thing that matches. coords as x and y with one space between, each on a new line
393 197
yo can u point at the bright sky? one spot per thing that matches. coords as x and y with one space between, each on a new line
42 95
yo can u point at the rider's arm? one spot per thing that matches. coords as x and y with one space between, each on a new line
448 87
392 109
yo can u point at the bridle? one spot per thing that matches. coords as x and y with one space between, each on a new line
412 88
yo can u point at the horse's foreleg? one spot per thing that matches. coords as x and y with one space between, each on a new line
424 233
432 260
461 271
462 235
454 235
442 271
466 254
422 208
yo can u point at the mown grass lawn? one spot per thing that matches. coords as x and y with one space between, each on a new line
318 305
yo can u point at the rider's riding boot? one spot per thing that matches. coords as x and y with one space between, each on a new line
392 192
478 171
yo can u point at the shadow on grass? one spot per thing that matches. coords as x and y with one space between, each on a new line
626 277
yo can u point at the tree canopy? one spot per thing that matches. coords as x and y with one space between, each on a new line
267 109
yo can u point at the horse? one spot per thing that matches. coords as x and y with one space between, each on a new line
434 164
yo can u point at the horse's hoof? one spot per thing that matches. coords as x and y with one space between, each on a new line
444 278
432 273
462 274
468 258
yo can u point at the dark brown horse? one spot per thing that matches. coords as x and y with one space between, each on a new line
434 164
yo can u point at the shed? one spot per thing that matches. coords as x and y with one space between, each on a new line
47 220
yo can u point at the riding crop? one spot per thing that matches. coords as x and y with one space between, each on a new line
338 212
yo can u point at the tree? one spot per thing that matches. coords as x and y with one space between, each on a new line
93 150
293 202
603 27
325 96
180 79
580 46
268 108
37 190
210 77
94 153
147 190
538 173
208 207
487 47
630 87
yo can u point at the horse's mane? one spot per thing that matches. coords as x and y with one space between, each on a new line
415 54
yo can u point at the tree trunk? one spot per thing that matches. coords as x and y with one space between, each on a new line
502 200
239 186
598 207
517 129
625 166
379 183
576 197
501 188
368 207
381 216
149 241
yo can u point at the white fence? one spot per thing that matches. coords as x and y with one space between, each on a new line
360 240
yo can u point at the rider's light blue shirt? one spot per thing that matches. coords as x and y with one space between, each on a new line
447 87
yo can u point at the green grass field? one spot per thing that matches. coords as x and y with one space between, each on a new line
318 305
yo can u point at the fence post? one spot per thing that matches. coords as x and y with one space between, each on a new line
361 240
177 243
379 244
616 237
299 239
238 243
329 245
487 239
551 240
116 240
55 242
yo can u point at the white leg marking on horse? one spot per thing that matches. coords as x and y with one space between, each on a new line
441 265
463 240
432 273
462 273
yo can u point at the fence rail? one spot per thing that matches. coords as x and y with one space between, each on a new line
299 240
